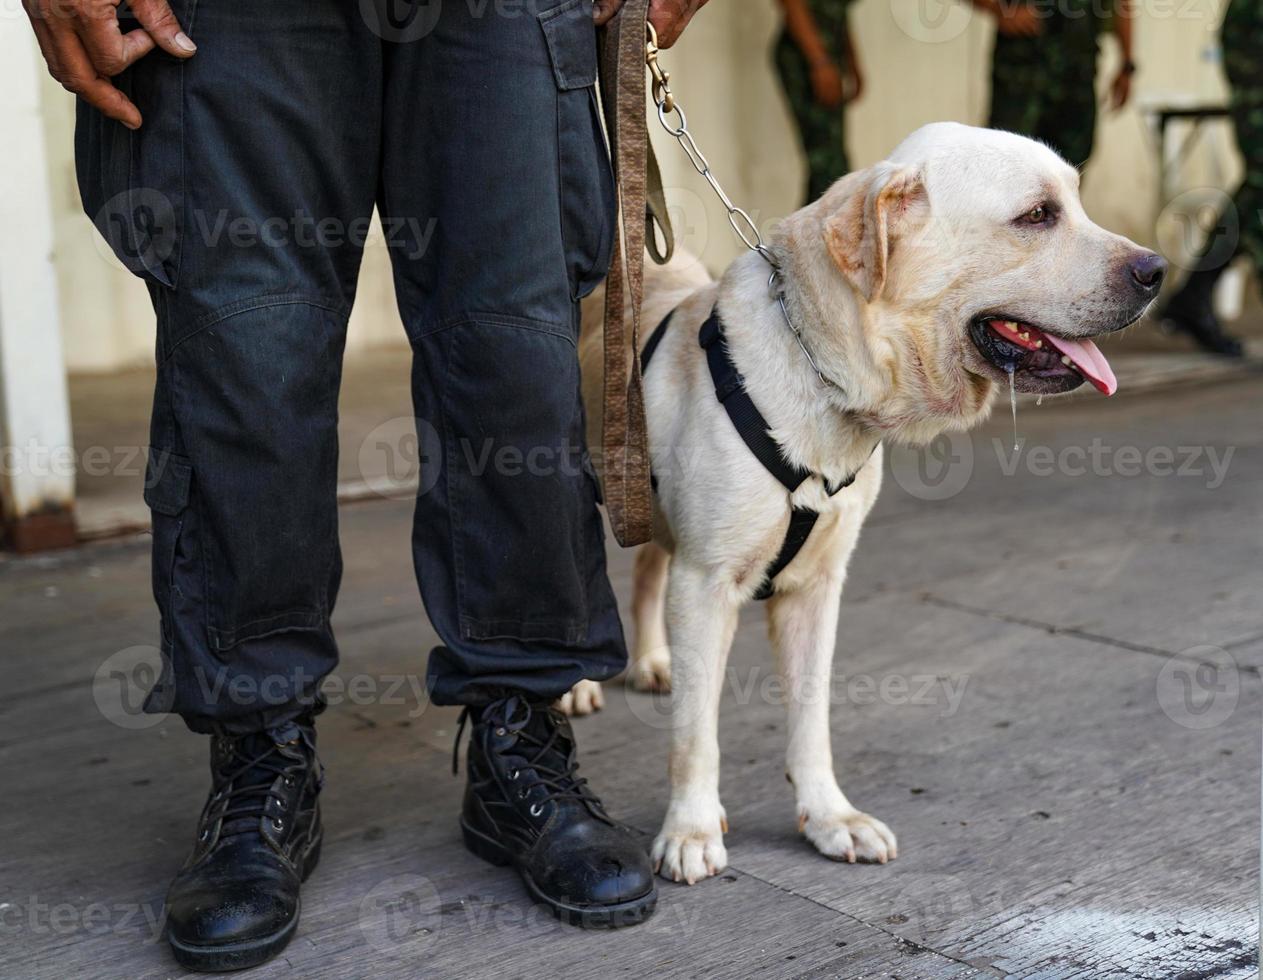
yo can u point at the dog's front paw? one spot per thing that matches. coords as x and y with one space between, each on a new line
690 848
652 672
582 699
849 835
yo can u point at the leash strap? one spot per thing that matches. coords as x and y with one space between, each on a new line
622 53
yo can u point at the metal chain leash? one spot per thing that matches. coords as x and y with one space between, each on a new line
740 220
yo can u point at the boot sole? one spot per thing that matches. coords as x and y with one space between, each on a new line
227 957
615 916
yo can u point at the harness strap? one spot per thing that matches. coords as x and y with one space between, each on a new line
755 433
654 340
801 521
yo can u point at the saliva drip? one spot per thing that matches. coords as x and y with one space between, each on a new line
1011 368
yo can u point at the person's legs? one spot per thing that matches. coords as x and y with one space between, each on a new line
240 201
496 179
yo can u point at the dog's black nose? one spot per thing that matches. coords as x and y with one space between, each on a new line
1148 271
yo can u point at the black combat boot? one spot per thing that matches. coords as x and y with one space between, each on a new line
235 902
525 806
1192 312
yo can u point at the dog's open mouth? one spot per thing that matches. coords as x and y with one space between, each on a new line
1059 363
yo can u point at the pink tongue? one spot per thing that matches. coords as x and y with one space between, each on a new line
1089 360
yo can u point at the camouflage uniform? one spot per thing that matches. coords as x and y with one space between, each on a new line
822 131
1044 87
1241 35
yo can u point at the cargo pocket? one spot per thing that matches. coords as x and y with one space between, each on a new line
132 182
585 177
168 483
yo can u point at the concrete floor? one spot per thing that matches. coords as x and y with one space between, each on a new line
1048 685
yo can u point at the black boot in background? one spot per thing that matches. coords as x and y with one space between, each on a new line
525 806
1191 312
235 903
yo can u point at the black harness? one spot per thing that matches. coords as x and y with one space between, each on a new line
753 429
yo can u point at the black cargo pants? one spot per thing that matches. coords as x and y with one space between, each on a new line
244 201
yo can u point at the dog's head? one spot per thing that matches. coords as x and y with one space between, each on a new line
970 256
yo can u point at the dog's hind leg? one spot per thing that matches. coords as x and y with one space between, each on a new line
803 626
650 668
701 618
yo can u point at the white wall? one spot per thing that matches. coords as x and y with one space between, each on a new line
924 60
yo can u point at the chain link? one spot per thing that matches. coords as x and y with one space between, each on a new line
740 219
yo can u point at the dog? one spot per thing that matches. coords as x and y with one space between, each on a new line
913 290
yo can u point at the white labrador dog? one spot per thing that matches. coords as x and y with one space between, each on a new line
917 285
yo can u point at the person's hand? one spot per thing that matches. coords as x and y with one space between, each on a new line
1120 88
1018 19
84 46
827 84
669 17
854 84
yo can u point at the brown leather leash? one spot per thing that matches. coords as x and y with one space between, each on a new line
622 56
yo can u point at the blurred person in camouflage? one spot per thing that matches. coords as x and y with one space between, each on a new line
819 69
1190 311
1043 69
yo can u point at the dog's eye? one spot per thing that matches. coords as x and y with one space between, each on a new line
1039 215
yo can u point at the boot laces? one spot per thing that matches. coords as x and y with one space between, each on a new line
550 755
246 787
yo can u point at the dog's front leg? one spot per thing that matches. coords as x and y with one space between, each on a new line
701 618
804 627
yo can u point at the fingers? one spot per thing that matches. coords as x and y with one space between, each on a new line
79 76
69 63
604 10
109 50
156 18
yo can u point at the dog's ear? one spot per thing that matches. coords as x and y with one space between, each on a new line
866 213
